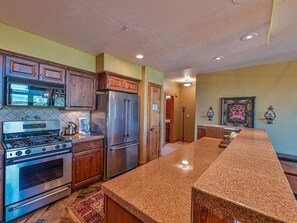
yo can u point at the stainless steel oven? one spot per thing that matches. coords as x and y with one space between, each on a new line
26 178
38 166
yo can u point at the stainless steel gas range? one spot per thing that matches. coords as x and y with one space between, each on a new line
37 166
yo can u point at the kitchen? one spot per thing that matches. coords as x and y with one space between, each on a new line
101 115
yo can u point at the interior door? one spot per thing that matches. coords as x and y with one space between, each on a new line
154 121
132 118
116 118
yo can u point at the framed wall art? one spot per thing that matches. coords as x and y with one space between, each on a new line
238 111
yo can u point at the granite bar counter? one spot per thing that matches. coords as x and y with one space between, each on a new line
247 183
160 191
243 182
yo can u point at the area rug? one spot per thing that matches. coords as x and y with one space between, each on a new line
90 209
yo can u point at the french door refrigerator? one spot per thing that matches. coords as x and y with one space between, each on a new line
117 117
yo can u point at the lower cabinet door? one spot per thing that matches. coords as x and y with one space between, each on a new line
87 167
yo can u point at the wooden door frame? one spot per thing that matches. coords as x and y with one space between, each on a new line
148 119
171 136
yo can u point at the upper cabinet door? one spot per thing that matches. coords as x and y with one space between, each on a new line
1 82
52 74
80 91
16 67
109 81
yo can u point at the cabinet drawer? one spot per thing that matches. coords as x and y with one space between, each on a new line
131 86
17 67
109 81
52 74
85 146
115 83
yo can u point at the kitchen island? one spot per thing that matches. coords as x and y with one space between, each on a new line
244 181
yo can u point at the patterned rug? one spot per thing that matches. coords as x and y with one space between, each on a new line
90 209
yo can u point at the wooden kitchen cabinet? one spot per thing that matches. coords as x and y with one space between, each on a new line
81 91
53 74
23 68
109 81
1 82
87 163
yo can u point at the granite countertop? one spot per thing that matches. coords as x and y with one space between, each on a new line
84 138
247 183
160 191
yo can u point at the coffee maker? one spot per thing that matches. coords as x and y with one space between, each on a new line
84 126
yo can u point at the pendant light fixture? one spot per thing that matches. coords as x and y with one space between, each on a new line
187 83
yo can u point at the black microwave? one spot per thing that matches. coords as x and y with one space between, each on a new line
22 92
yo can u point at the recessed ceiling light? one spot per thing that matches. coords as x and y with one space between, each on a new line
240 1
249 36
218 58
126 28
139 56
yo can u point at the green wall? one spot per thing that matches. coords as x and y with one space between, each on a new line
19 41
153 76
273 84
106 62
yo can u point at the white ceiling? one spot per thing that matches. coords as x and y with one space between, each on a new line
179 38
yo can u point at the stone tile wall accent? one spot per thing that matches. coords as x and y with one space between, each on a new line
12 113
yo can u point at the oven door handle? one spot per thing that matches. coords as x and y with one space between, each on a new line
40 156
38 199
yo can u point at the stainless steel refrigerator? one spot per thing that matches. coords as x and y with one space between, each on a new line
117 117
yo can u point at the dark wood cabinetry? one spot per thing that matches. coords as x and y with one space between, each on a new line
1 81
289 163
81 90
23 68
205 215
87 163
115 213
30 69
52 74
110 81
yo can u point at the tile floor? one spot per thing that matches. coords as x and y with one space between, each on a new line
171 147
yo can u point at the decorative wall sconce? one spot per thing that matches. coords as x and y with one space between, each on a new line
270 115
210 113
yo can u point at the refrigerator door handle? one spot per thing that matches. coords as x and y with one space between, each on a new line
123 147
128 117
125 118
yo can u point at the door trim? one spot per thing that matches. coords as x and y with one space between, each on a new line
150 84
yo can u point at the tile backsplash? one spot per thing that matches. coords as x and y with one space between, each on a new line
11 113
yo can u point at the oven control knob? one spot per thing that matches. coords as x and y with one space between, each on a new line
43 149
64 146
28 151
57 146
19 153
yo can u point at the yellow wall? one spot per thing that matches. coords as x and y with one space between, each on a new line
153 76
106 62
273 84
19 41
187 99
